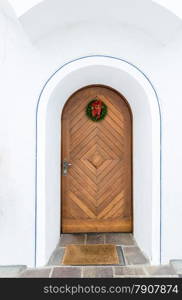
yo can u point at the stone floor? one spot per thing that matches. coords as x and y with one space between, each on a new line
133 262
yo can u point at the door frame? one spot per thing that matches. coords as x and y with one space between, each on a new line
91 70
131 116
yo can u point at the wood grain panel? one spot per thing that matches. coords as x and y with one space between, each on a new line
97 191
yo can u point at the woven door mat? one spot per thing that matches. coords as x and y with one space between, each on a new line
91 255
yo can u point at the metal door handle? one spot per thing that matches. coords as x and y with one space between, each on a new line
65 167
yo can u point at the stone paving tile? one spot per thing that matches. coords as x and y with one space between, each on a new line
97 272
160 270
57 257
95 238
11 271
66 272
36 273
177 265
67 239
125 239
129 271
133 256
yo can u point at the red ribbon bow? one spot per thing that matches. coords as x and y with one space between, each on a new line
96 109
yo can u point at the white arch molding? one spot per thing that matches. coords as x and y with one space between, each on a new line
139 92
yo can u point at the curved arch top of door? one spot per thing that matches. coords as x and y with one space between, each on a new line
96 164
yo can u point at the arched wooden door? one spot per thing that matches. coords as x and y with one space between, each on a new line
97 189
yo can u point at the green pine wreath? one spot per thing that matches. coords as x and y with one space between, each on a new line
89 111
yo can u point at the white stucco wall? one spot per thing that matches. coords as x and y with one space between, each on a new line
138 31
144 34
19 88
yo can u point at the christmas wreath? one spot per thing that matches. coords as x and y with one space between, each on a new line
96 110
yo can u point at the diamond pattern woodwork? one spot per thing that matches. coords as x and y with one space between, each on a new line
96 193
96 159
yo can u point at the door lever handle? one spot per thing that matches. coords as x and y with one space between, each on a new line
66 165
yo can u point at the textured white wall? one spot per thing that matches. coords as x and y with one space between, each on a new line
174 6
22 7
19 88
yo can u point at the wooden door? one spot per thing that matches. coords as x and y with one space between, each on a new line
97 191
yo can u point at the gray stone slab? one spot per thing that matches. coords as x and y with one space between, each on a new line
125 239
36 273
11 271
57 257
177 265
129 271
97 272
66 272
163 270
95 238
67 239
133 256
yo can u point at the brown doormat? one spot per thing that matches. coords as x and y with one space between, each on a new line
91 255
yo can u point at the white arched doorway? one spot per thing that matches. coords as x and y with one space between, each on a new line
139 92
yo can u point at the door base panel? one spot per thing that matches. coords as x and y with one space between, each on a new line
79 226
